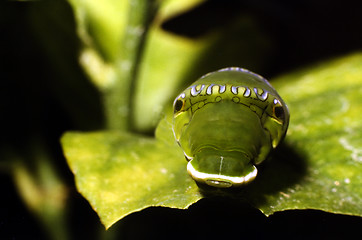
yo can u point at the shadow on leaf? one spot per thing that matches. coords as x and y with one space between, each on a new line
284 169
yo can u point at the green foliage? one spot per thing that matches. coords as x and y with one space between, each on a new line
121 173
317 167
322 158
115 66
138 75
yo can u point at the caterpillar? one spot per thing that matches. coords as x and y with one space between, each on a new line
226 123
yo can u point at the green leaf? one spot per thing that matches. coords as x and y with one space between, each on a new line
322 160
318 167
120 173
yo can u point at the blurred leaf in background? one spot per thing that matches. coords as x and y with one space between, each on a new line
43 91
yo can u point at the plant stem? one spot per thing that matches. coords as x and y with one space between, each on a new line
118 97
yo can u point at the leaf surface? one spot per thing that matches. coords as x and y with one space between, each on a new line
317 167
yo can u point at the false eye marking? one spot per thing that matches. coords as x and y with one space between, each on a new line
278 110
261 94
247 92
194 92
222 89
179 103
209 90
204 90
180 98
234 90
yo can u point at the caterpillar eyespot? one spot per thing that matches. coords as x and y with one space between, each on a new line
227 122
279 113
178 105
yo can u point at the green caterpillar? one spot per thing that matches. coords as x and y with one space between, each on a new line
226 123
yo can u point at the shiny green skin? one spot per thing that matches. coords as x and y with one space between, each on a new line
226 123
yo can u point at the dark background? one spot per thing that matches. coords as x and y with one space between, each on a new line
35 103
